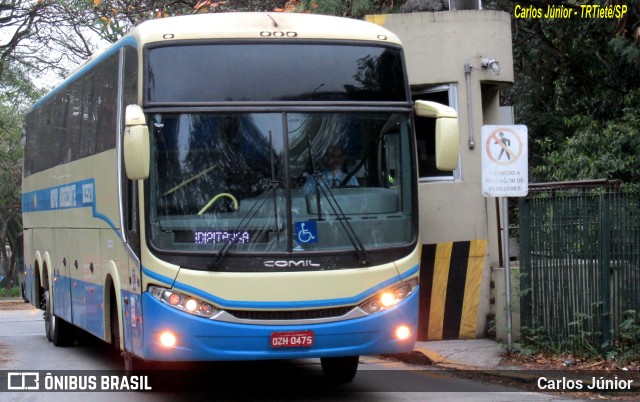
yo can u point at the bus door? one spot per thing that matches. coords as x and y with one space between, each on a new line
132 305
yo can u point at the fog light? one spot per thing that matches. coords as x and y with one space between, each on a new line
167 339
403 332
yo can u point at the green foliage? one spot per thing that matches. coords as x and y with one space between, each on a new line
624 346
535 339
13 293
13 98
581 338
625 343
576 88
597 149
350 8
16 94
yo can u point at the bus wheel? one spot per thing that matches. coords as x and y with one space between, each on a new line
58 330
45 307
115 323
340 369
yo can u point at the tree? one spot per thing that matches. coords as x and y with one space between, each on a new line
45 35
16 94
349 8
607 149
17 20
113 18
572 78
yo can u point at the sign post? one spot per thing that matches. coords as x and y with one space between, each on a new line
505 173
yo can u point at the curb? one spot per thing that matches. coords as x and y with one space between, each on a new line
441 360
525 376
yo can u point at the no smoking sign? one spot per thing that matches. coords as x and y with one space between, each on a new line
505 162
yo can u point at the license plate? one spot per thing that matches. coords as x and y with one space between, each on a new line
293 339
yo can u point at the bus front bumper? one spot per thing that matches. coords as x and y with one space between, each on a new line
200 339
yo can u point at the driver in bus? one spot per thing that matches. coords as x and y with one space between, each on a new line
333 173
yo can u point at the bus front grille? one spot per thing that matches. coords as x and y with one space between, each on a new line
291 314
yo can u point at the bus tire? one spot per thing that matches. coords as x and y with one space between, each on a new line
115 323
58 331
340 370
45 307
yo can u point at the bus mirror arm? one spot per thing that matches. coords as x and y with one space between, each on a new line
136 144
447 132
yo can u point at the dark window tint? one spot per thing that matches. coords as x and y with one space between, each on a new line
274 72
77 120
426 137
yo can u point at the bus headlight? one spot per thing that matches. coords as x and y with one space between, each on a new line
183 302
389 297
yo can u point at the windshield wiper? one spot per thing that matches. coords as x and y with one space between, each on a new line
244 223
318 178
273 185
361 252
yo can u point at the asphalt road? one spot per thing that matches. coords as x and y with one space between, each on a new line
24 348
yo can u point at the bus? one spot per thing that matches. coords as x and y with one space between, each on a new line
176 206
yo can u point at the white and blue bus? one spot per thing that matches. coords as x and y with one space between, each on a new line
179 202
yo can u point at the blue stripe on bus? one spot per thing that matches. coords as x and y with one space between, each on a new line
154 275
79 194
409 273
293 304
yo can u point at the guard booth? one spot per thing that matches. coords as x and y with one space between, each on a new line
461 58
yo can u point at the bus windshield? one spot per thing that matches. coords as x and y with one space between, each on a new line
281 182
273 72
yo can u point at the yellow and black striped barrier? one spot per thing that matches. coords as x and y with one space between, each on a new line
450 279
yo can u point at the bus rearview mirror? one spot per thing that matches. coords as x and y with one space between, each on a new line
136 144
447 132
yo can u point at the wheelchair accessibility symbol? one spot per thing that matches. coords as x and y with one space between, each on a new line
306 232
